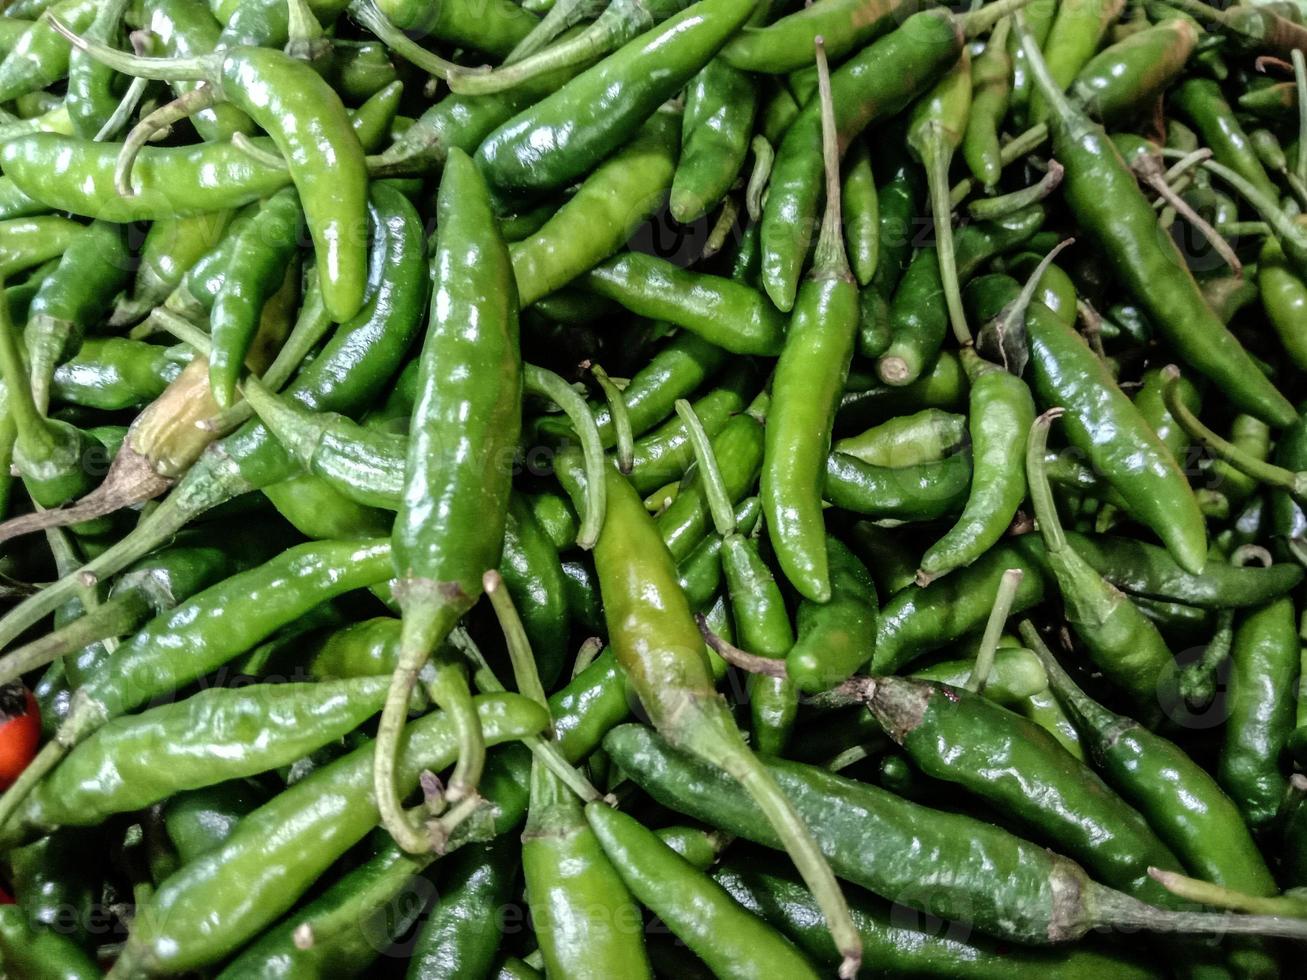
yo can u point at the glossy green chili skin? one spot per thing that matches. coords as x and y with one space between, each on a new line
254 272
186 28
1284 298
461 935
923 618
922 492
1149 265
199 820
720 103
1201 103
835 638
40 57
875 83
728 314
39 953
1265 662
567 133
585 918
956 866
171 248
495 28
217 735
785 45
1127 77
901 946
602 215
730 940
534 577
1102 423
29 242
997 755
279 850
991 87
1001 413
918 321
1179 798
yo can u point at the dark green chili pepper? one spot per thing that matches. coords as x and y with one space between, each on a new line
922 492
1105 199
598 219
1119 639
918 321
361 70
172 247
810 375
1074 36
919 619
54 882
875 83
461 935
1001 412
616 96
897 207
935 861
1202 104
1284 298
278 851
585 919
74 298
966 739
720 103
461 443
835 638
978 242
495 28
91 97
257 265
729 939
1265 663
347 927
729 314
1127 77
1182 802
896 944
199 820
34 951
891 560
991 86
535 579
1104 425
1146 570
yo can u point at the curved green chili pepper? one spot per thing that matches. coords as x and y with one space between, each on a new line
875 83
719 108
785 45
1265 663
991 86
1127 77
918 321
36 951
185 29
40 57
834 639
922 492
464 433
1150 266
926 436
730 940
616 96
495 28
1073 37
171 248
810 375
1202 104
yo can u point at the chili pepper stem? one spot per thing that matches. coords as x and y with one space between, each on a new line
937 166
764 155
562 15
1016 148
519 647
1107 907
980 20
255 152
426 622
574 50
538 381
118 615
625 440
733 655
1003 599
1207 893
161 119
992 208
197 69
829 259
1269 473
719 500
1149 171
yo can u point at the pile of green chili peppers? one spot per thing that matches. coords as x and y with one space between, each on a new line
655 488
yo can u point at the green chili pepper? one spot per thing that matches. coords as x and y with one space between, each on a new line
809 377
875 83
930 860
1039 20
834 639
918 321
923 492
897 944
586 921
29 242
656 641
923 437
1202 104
616 96
278 851
1119 639
785 44
40 57
730 940
171 248
55 880
464 432
991 86
719 109
199 820
729 314
1265 662
185 29
1107 203
923 618
598 219
1073 37
1127 77
40 953
1183 804
494 28
461 936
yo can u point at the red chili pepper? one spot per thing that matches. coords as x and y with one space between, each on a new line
20 731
